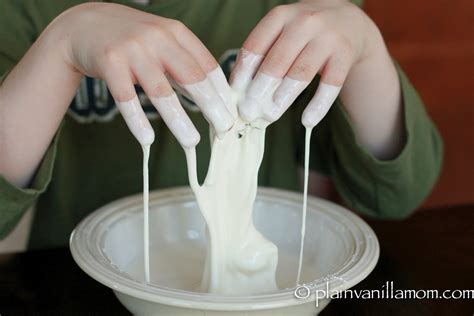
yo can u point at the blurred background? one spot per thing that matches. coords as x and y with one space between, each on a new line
433 40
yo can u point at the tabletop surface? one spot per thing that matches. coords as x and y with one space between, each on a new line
430 250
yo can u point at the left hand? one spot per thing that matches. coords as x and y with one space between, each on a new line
293 43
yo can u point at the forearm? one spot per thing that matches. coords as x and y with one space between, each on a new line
33 100
372 97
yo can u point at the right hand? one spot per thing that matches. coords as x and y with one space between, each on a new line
124 46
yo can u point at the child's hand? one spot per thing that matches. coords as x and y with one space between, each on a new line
124 46
289 46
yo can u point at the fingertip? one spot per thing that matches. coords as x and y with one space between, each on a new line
191 140
320 104
223 89
148 136
308 120
136 120
211 104
177 120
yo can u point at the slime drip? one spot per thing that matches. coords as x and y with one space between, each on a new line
240 260
305 198
146 235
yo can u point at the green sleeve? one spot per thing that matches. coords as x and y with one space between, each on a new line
14 201
387 189
18 29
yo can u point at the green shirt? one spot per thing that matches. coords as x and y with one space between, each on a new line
94 159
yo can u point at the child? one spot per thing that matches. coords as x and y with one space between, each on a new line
64 146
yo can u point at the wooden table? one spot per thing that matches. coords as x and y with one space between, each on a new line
431 250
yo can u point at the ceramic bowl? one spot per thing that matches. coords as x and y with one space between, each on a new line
340 251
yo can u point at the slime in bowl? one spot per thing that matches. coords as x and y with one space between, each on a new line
340 251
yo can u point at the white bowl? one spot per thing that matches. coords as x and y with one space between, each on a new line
340 251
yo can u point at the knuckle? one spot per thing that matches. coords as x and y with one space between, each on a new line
335 76
177 26
324 25
163 89
252 43
332 36
123 95
131 44
112 55
195 73
208 63
156 31
163 35
336 79
118 50
278 11
308 17
344 45
301 70
274 60
160 89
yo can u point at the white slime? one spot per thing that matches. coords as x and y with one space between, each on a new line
240 260
146 225
307 145
317 108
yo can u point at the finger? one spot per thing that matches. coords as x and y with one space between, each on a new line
267 31
180 65
193 45
258 96
187 73
177 120
332 78
284 96
298 77
211 105
311 59
121 87
162 96
285 50
150 76
259 41
219 81
244 70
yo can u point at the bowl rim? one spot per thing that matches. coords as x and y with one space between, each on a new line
92 260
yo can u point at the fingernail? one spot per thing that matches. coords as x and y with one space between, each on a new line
320 104
211 105
284 96
137 121
177 120
229 96
246 67
259 96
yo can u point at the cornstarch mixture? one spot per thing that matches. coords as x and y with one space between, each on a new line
240 260
146 225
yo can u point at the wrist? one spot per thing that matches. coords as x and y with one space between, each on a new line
374 44
56 38
373 58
